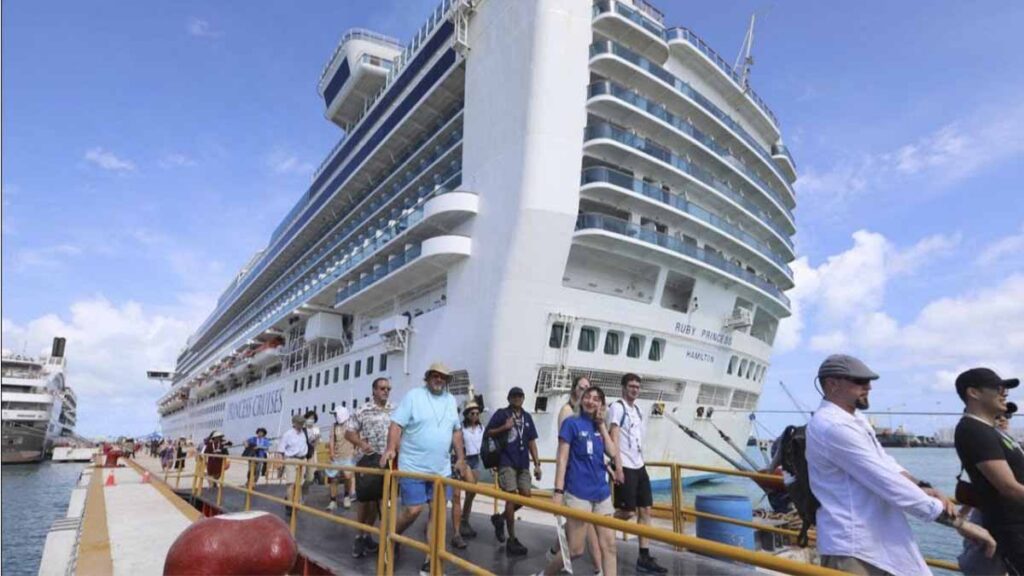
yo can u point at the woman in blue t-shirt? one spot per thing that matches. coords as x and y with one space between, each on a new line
581 479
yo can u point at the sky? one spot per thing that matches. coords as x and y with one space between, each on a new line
148 149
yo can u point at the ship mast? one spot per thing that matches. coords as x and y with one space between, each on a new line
745 59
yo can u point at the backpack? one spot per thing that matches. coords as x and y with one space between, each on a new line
794 462
491 449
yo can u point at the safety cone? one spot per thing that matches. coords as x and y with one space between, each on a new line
110 479
145 477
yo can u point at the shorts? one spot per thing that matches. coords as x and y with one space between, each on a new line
369 487
416 492
852 565
604 507
474 463
635 491
332 474
513 480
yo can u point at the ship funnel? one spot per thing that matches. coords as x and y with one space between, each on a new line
57 350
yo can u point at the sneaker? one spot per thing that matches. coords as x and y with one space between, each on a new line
498 521
458 543
346 502
359 547
425 569
466 531
332 506
515 548
370 544
648 565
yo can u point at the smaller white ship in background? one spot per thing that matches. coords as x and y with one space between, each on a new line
38 407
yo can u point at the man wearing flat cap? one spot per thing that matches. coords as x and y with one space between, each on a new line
424 428
294 446
864 493
993 461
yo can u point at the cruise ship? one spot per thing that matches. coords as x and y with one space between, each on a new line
526 191
39 408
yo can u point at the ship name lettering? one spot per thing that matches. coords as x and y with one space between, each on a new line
700 356
704 334
259 405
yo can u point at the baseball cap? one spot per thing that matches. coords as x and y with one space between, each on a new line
981 378
845 366
516 391
341 413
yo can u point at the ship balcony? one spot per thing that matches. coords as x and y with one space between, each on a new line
632 27
24 415
356 72
614 61
785 160
614 102
692 50
616 146
624 191
632 240
401 271
26 397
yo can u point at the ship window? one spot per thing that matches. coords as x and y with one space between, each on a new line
636 344
344 403
333 406
588 339
345 375
323 408
732 365
743 400
327 377
750 370
359 369
335 374
369 365
558 336
317 379
612 342
302 384
714 395
355 403
657 349
296 387
383 362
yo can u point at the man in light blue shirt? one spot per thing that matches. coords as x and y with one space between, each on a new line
423 429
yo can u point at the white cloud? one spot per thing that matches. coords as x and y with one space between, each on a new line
47 257
282 162
176 160
201 28
110 346
948 154
1007 248
924 251
108 160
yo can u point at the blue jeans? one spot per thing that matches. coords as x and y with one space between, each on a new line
416 492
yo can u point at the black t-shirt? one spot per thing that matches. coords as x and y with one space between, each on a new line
977 441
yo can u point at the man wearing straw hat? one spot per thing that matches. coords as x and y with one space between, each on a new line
423 428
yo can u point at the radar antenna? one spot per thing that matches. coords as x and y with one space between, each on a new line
745 59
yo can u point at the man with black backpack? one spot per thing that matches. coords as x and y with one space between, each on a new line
633 495
515 426
864 494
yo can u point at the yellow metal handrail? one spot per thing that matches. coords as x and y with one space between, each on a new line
437 555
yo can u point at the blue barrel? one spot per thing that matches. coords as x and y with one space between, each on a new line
730 506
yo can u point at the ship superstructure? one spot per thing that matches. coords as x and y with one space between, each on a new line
39 408
527 191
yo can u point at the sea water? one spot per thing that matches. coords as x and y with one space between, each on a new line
34 495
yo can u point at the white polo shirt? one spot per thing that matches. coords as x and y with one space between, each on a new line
863 494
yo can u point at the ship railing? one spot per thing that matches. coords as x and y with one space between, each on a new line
438 553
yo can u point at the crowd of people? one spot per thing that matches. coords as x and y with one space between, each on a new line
860 494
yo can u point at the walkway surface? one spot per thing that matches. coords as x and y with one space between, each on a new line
129 527
329 544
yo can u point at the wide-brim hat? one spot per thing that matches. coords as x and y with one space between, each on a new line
845 366
440 368
470 406
216 434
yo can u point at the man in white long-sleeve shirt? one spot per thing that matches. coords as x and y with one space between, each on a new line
863 492
295 445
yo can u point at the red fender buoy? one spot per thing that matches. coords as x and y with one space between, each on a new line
233 545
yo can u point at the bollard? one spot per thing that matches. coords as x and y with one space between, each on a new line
225 545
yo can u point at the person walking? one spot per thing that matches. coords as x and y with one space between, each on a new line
863 492
313 439
633 495
341 452
257 446
516 426
180 454
214 447
367 430
472 436
993 461
294 446
423 429
581 480
580 384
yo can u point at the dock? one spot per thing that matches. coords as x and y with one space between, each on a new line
127 529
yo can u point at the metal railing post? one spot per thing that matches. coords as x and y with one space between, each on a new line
296 497
219 478
383 552
677 496
437 517
250 485
392 523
